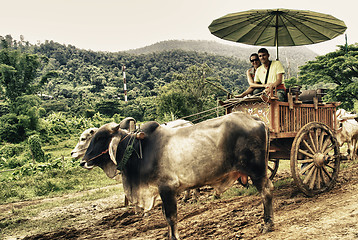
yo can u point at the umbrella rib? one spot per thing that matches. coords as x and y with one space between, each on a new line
287 31
264 22
321 21
249 18
267 21
290 18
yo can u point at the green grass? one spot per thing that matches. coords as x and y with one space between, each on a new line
239 191
51 183
63 148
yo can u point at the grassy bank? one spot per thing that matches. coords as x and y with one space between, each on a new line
31 217
54 182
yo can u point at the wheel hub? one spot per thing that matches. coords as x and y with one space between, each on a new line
320 159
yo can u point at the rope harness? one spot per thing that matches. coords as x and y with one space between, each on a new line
127 152
129 149
263 96
104 152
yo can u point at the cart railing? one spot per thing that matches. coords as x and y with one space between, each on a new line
290 119
286 119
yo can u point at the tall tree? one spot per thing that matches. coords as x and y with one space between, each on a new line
189 93
18 72
340 68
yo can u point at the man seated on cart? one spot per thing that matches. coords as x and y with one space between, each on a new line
270 74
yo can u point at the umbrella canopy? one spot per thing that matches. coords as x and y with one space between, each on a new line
277 27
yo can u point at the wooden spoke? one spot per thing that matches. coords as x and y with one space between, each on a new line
308 160
331 148
308 146
332 167
312 142
303 170
306 153
322 177
326 143
327 173
313 179
321 138
308 176
316 130
319 175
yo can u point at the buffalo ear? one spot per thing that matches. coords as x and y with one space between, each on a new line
141 135
116 128
93 130
113 145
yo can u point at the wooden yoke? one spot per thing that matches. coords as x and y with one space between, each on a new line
131 126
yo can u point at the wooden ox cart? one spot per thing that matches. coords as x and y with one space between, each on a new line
301 132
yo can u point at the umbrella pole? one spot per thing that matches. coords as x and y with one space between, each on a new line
276 40
276 52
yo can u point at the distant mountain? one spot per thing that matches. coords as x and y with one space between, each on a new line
291 57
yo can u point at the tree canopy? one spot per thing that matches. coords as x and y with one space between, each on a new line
189 93
339 71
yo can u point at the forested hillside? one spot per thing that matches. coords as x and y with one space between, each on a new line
291 57
87 82
145 72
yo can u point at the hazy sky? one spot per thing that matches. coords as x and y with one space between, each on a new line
116 25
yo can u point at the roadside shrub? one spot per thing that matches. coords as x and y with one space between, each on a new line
46 187
63 125
35 148
57 124
89 113
10 150
15 128
11 129
9 155
10 163
4 109
24 103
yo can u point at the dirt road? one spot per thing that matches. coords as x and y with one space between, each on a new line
332 215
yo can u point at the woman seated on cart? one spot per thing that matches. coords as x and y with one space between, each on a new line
255 62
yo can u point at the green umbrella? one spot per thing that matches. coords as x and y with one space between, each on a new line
277 27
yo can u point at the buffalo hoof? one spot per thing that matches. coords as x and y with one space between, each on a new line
267 227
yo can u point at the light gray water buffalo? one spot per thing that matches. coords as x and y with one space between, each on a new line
162 161
348 132
82 145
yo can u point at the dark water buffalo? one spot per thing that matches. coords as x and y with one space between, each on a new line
86 137
165 161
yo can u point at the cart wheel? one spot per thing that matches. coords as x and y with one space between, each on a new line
272 168
315 158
